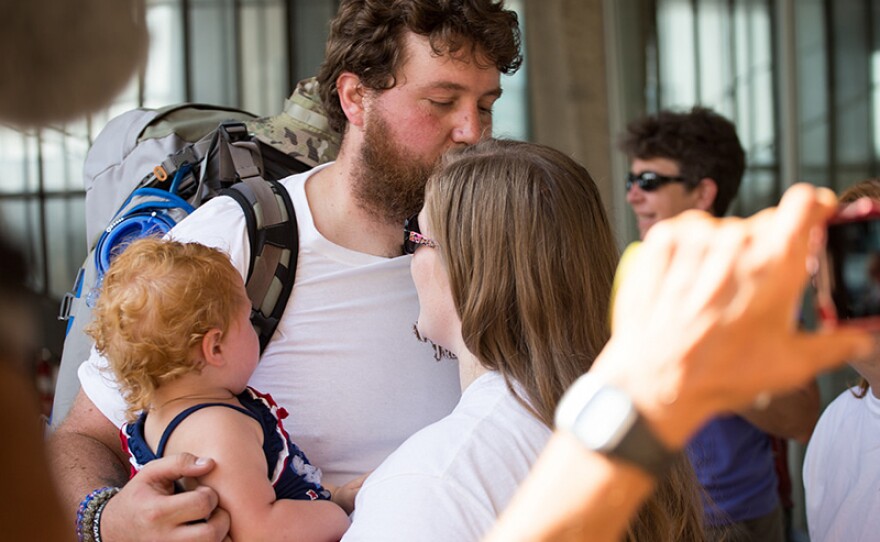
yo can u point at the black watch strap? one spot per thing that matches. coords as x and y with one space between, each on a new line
605 420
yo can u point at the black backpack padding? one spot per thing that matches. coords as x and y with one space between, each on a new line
274 241
271 225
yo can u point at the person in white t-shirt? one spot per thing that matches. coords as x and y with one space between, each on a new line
513 260
343 359
841 476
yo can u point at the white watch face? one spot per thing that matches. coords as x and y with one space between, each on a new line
605 419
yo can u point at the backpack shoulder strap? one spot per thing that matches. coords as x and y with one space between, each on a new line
274 242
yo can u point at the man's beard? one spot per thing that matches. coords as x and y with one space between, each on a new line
389 183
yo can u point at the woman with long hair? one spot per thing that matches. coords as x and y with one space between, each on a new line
513 261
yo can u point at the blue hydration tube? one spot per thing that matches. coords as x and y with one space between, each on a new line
149 218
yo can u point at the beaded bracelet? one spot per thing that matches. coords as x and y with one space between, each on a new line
88 516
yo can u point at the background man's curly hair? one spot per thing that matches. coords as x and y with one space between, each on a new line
702 142
366 38
158 300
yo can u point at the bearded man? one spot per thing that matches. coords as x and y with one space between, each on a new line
403 82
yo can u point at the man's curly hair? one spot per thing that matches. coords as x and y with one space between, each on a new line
367 39
702 142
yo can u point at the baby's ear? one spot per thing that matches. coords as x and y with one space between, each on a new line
212 348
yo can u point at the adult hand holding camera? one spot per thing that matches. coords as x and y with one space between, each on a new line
703 323
711 323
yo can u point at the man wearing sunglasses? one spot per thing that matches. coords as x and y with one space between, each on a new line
681 161
694 160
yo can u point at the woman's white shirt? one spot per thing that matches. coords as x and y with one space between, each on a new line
451 480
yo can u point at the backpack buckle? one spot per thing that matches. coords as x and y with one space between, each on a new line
236 131
70 297
64 309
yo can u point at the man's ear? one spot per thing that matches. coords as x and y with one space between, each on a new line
706 189
212 347
351 97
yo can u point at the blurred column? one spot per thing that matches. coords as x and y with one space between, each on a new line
587 72
568 85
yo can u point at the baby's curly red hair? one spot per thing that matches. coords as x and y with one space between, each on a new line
158 300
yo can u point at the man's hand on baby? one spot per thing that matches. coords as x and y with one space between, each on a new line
147 507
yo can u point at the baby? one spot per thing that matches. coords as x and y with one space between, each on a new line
173 319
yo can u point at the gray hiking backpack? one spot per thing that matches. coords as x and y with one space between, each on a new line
149 168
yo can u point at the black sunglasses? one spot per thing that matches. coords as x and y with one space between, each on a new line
413 238
650 181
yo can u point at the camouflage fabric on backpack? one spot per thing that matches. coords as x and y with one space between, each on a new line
302 130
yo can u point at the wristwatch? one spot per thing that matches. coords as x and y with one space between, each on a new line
606 421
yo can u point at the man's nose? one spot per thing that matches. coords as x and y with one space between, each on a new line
634 193
469 127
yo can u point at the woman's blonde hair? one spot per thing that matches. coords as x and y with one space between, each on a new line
531 259
158 300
